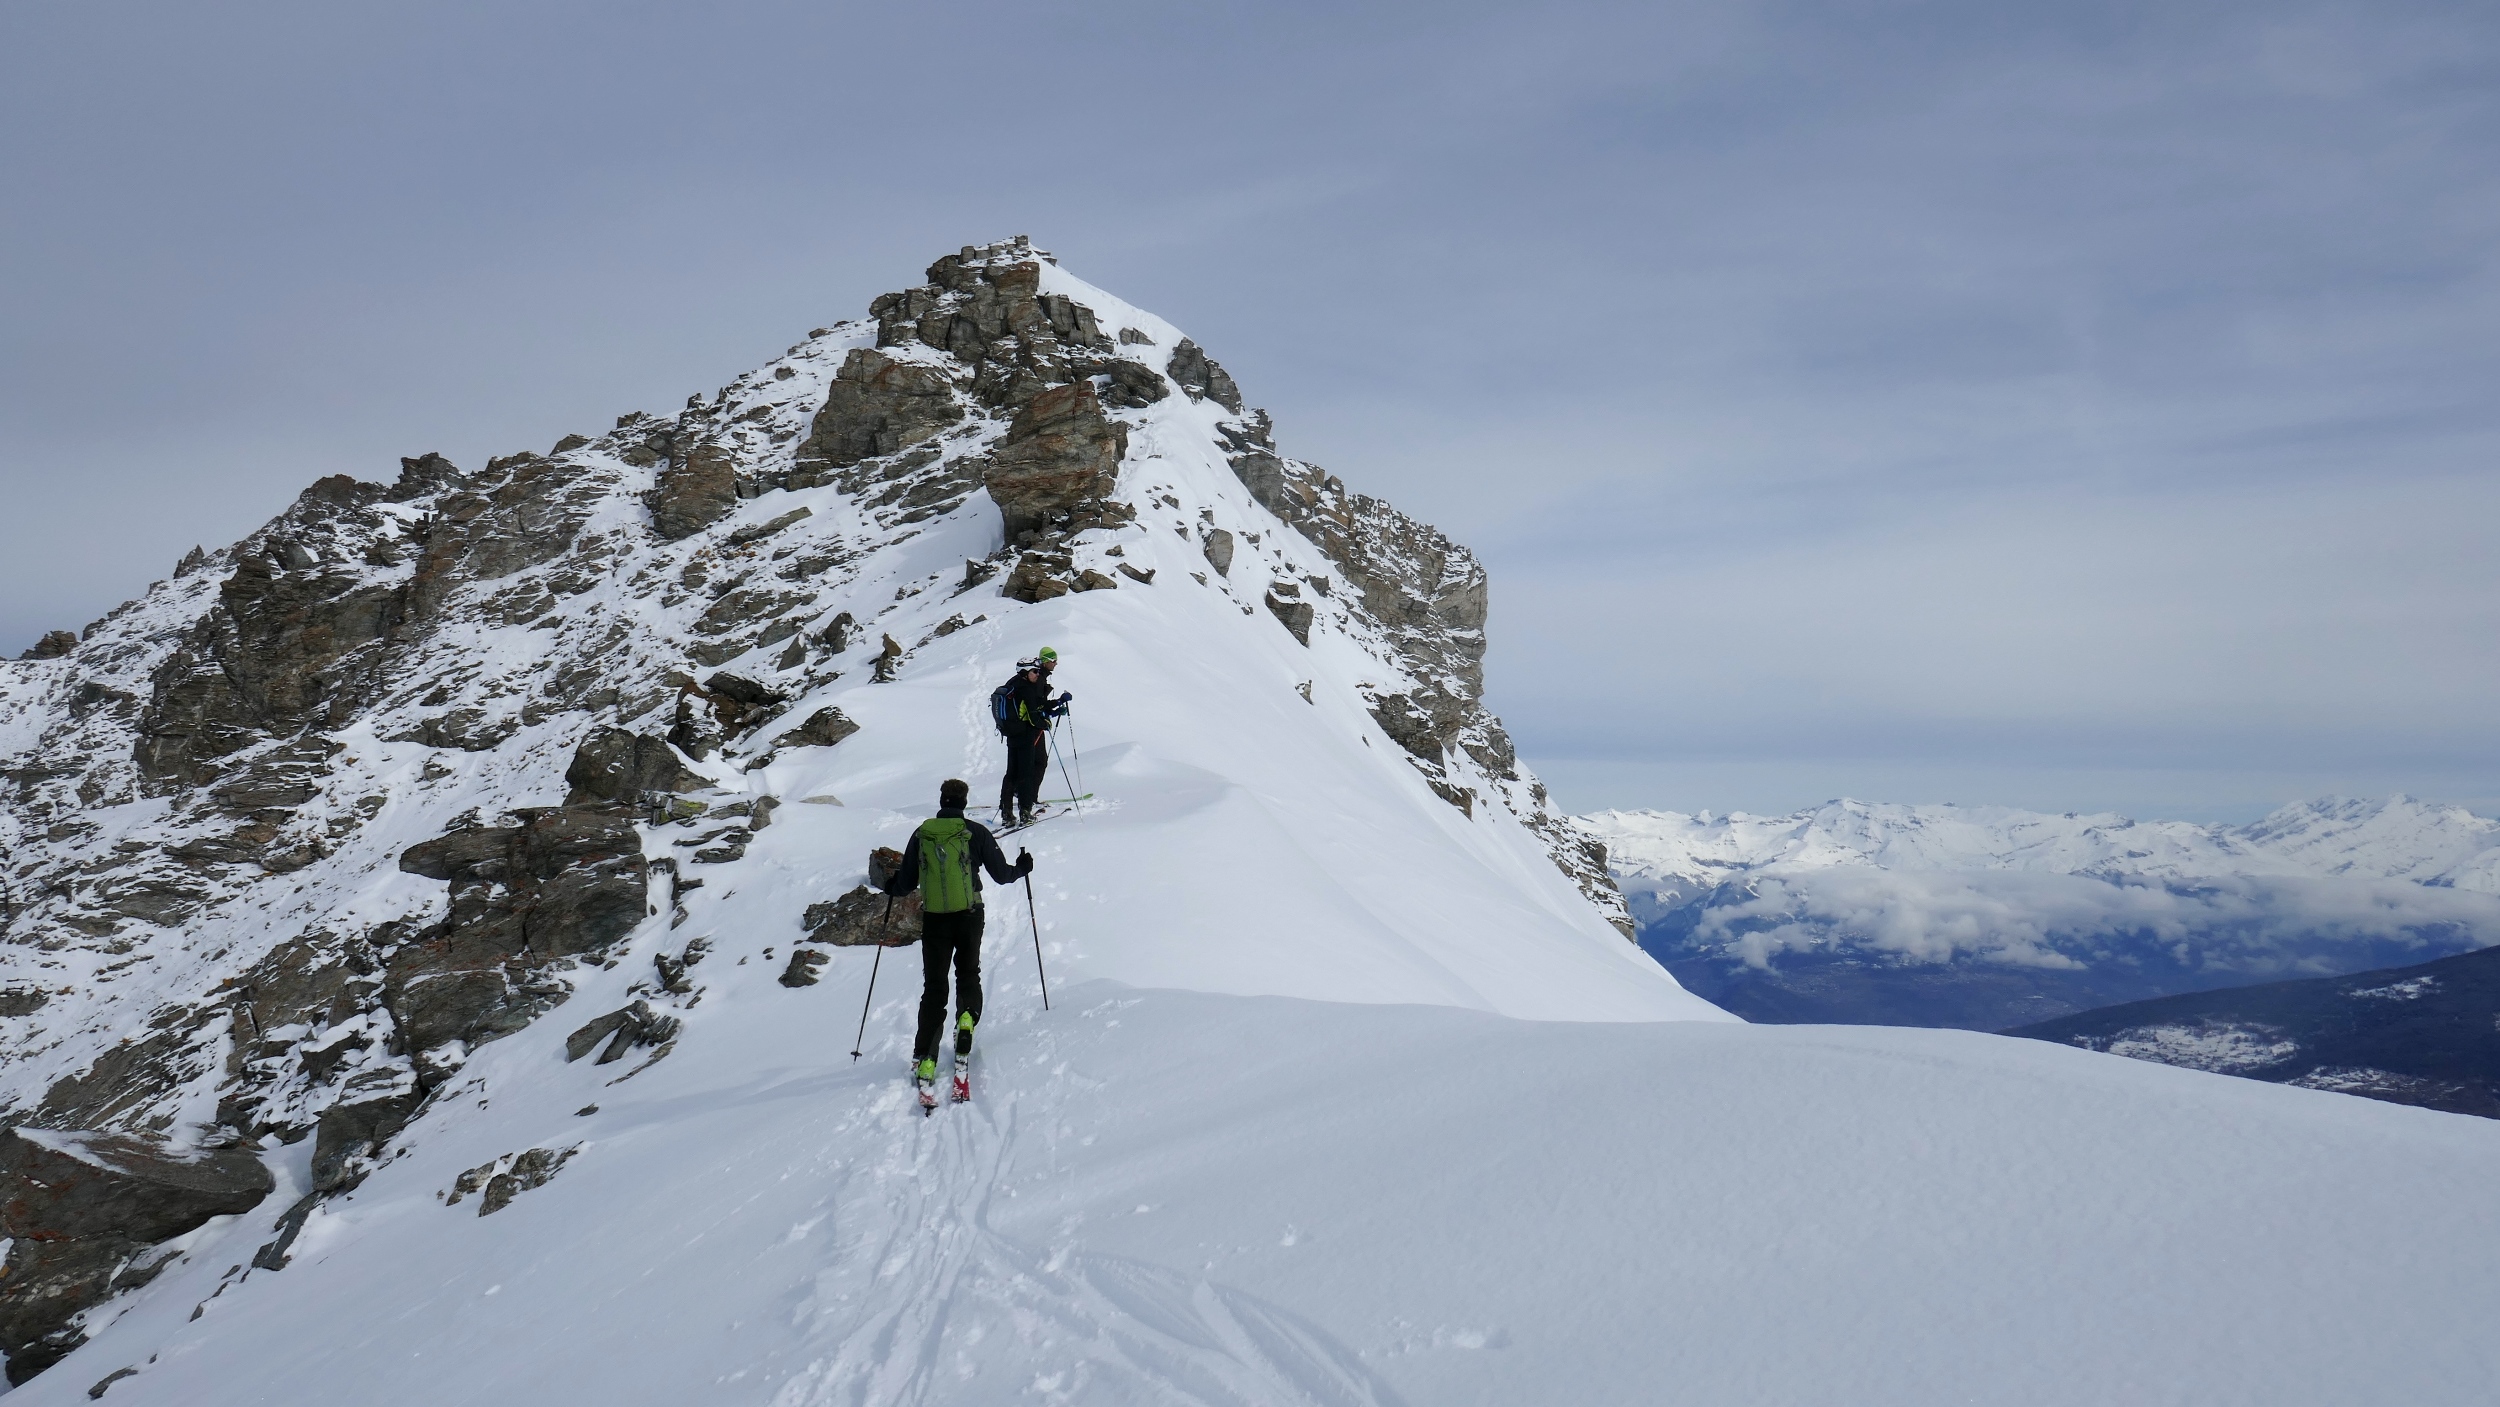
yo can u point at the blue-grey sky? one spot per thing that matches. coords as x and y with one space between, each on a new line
2069 406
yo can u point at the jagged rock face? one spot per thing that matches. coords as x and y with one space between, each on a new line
695 492
1059 453
984 307
1217 543
823 728
53 645
1202 378
617 764
878 406
565 882
1426 728
1284 602
268 660
1429 597
865 918
81 1208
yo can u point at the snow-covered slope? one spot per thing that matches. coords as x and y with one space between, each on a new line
1164 1197
1988 916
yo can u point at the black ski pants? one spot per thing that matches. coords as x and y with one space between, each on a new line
1028 763
947 940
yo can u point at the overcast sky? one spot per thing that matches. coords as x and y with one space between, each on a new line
2076 407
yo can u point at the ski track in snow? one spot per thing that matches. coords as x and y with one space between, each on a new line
1171 1197
932 1281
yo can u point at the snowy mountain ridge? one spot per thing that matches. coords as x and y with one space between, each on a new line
301 831
434 973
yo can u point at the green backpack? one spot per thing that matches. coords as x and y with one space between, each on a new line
946 882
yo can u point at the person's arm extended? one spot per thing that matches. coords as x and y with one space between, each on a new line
985 849
906 876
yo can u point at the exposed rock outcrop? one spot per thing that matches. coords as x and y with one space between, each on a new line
1202 378
1284 601
877 406
1060 452
616 764
498 1182
695 492
984 306
81 1209
1428 596
566 881
612 1035
823 728
282 648
864 918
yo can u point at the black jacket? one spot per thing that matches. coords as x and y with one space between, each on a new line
985 856
1028 701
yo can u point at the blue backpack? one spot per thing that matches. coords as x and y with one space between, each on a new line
1003 708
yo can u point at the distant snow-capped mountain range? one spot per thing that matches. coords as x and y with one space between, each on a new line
1982 916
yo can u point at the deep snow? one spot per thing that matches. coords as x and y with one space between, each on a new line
1163 1197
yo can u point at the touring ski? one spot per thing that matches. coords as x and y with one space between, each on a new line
1005 831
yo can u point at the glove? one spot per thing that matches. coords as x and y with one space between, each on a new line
1066 699
1024 863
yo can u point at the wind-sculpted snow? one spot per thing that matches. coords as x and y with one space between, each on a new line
1992 917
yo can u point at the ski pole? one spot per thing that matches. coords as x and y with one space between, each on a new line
873 964
1076 752
1036 918
1076 796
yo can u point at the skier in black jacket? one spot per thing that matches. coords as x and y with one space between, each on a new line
1027 728
944 860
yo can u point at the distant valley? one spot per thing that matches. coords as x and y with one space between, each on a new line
2427 1035
1988 918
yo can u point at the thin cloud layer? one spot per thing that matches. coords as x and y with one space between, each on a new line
2253 928
2070 406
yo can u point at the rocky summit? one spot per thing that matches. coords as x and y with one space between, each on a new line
296 833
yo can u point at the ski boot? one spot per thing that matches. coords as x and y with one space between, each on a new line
924 1079
963 1056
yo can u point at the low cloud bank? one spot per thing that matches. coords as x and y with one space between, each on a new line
2253 927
